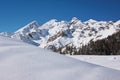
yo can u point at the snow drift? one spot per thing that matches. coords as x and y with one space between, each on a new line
21 61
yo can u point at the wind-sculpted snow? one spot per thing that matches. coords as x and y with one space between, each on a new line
21 61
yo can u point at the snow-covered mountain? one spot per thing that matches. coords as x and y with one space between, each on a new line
57 35
5 34
21 61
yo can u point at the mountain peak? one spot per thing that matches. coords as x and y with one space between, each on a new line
33 24
5 34
117 23
91 21
74 19
49 24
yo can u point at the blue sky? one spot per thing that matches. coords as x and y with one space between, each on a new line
14 14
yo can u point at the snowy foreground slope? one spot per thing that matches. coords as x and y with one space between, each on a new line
21 61
107 61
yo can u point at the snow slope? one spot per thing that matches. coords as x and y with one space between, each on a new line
21 61
106 61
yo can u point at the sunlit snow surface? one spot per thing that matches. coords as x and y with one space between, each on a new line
106 61
21 61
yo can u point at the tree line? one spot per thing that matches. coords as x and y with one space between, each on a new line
106 46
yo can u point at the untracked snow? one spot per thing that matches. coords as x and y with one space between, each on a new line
21 61
106 61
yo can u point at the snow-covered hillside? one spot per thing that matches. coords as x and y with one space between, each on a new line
106 61
57 35
21 61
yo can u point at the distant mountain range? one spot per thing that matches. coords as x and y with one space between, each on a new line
65 37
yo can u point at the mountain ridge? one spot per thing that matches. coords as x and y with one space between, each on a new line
57 35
